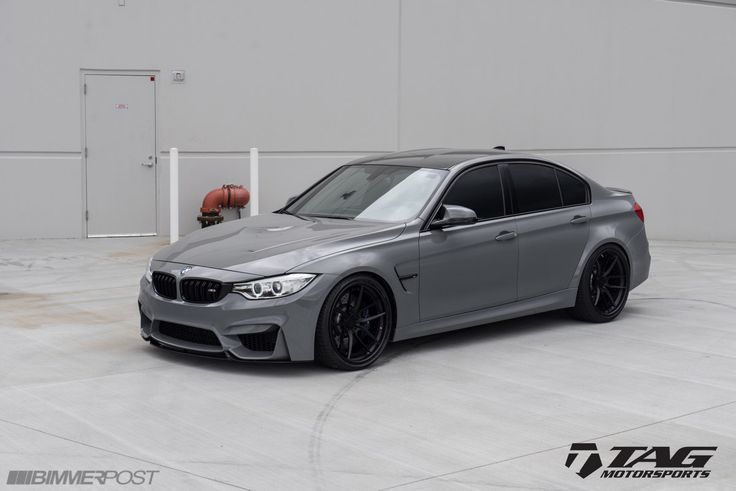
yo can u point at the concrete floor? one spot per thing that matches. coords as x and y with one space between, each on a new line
493 406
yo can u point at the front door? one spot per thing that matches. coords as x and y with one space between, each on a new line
120 154
470 267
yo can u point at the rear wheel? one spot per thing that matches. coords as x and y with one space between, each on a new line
604 286
354 324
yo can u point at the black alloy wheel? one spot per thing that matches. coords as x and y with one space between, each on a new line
354 325
604 286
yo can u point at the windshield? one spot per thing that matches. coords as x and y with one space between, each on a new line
384 193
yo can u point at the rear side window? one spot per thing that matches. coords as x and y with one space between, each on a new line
574 191
535 187
480 190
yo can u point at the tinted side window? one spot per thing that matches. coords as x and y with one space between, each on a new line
535 187
480 190
573 189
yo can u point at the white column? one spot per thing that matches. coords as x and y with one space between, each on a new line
173 195
253 181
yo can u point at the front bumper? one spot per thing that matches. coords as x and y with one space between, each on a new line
267 330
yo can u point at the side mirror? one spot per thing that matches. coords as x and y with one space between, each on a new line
452 215
290 200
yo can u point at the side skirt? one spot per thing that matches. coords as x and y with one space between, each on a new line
544 303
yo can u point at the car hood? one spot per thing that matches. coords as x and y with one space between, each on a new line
273 243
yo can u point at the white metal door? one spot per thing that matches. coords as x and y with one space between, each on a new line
120 154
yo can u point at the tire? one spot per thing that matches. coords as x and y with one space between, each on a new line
604 286
354 325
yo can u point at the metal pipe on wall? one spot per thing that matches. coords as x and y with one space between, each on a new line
229 196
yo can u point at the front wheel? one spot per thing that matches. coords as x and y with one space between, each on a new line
354 324
604 286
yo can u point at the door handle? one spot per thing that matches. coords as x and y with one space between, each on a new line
147 164
578 219
506 235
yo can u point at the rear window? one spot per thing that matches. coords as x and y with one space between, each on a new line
535 187
574 191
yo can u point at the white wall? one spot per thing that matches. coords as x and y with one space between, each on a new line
634 93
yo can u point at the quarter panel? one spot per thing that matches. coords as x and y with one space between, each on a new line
614 221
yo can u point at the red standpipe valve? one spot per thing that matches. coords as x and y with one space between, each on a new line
228 196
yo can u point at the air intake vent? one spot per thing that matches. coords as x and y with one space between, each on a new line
201 291
188 333
164 284
261 341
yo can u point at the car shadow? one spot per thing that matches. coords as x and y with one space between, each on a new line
518 327
264 368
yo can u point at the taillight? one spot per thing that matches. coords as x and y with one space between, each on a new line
639 211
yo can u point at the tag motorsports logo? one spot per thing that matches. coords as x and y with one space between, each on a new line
641 462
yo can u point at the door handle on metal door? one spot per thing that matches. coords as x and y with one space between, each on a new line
147 164
579 219
506 235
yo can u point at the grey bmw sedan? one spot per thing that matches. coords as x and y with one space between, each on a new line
394 247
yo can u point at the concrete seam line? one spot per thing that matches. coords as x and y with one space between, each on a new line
684 299
559 447
121 454
315 439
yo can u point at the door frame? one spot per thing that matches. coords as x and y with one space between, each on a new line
83 117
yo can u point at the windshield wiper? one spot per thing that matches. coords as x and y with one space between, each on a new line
336 217
284 211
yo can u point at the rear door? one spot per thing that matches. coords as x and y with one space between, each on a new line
470 267
552 212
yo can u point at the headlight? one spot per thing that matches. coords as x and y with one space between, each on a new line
149 277
274 287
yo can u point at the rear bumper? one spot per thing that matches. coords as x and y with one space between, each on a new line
640 258
235 327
